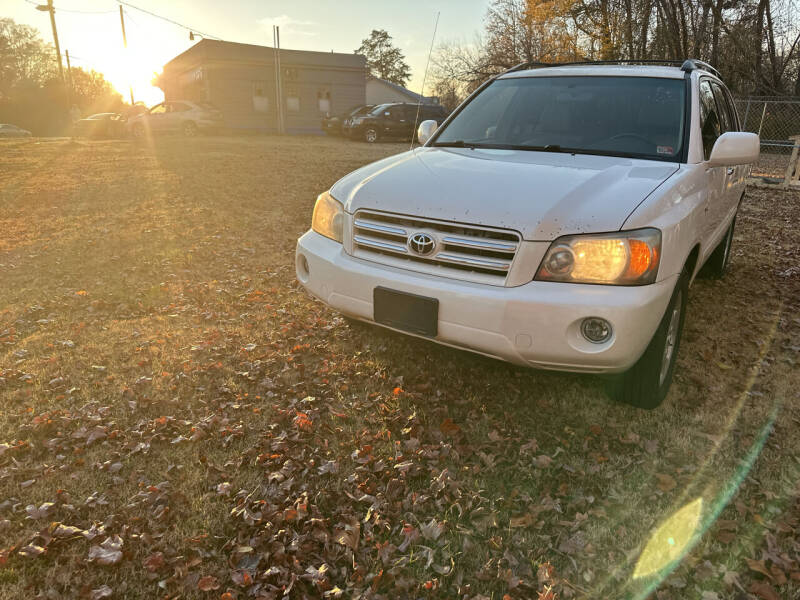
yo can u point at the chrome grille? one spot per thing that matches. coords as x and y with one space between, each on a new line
461 251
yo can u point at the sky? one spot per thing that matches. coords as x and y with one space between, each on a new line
90 30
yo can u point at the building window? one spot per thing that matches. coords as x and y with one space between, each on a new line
260 98
292 100
324 100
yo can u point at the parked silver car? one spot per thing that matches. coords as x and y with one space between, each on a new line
176 116
7 130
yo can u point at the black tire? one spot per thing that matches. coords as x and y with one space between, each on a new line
370 135
190 129
645 384
717 263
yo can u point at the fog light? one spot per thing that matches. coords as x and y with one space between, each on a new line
303 270
596 330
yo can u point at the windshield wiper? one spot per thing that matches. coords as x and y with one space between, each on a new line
457 144
545 148
494 146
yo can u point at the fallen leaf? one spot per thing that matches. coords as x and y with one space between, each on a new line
154 562
759 567
31 550
101 592
108 552
764 591
665 482
208 583
449 428
525 520
348 536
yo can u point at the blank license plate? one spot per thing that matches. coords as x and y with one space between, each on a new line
408 312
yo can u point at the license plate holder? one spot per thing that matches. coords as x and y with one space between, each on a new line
406 311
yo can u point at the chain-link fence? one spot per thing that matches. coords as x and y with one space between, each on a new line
776 120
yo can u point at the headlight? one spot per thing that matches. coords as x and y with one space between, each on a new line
328 219
623 258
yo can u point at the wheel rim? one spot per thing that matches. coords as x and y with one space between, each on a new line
189 130
371 135
672 339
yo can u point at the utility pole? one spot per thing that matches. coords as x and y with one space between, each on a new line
69 79
276 39
125 43
49 8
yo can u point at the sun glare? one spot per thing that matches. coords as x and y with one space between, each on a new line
133 67
126 71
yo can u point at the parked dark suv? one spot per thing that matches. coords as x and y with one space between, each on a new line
333 125
395 120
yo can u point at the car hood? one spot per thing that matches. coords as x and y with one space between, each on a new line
542 195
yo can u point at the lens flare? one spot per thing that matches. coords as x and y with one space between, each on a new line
670 541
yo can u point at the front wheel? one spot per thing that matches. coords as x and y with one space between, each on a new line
189 129
370 135
717 263
645 385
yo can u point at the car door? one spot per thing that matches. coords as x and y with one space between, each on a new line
156 118
390 121
734 176
710 130
178 113
402 121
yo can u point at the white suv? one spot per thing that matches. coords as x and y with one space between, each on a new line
555 220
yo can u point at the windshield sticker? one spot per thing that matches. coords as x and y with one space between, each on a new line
665 150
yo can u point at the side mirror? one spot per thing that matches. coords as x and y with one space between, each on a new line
734 148
426 130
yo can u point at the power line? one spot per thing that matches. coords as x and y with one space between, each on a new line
152 14
129 5
80 12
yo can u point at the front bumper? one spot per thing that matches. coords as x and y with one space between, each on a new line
536 324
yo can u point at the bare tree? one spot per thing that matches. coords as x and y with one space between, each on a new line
754 43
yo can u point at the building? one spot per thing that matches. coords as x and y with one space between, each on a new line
380 91
239 79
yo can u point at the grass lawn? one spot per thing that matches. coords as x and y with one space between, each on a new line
179 419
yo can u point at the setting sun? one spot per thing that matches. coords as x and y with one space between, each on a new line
128 68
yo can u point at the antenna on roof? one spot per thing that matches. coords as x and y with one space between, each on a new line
424 77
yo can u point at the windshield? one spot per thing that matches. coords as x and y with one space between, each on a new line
379 109
638 117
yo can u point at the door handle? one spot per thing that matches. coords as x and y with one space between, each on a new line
730 170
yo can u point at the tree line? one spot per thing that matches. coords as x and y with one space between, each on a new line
32 94
755 44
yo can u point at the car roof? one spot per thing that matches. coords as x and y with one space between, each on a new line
663 72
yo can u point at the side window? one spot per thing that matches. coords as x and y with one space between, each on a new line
732 110
324 100
260 99
726 122
709 120
292 100
178 107
158 110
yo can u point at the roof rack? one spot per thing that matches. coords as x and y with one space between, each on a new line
688 65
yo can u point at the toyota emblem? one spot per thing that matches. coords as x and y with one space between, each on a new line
422 243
